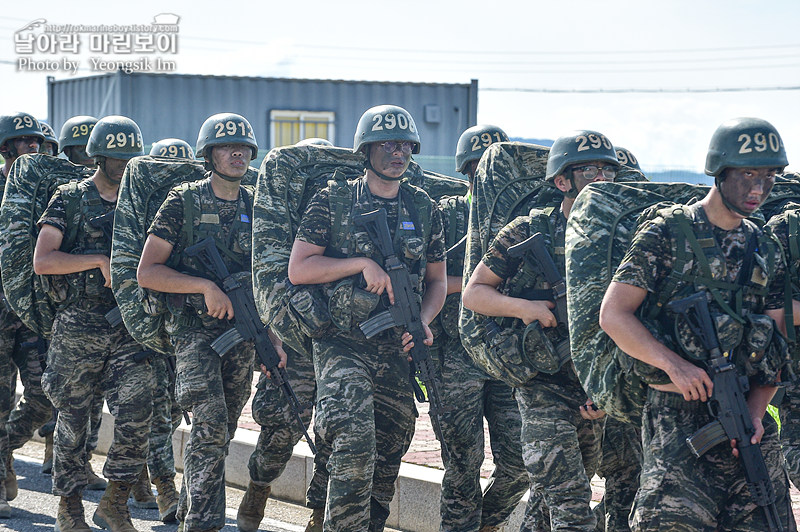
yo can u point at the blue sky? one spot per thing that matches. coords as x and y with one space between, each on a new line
519 51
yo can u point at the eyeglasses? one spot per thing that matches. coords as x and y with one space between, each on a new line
391 146
590 171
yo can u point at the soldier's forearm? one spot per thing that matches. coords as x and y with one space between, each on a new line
165 279
60 263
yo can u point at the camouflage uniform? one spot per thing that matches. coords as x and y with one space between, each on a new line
790 405
365 408
86 353
713 493
620 466
561 450
279 429
215 389
167 417
471 394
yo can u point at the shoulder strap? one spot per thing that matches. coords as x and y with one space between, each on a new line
187 191
72 205
340 200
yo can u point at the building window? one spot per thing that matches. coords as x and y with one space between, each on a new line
290 127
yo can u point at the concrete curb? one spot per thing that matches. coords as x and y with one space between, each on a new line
415 507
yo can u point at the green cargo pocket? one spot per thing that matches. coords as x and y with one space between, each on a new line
309 312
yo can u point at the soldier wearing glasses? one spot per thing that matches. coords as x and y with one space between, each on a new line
561 429
365 405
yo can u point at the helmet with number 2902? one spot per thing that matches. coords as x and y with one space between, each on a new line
225 128
385 122
115 136
745 143
576 148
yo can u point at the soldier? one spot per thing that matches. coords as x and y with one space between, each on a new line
20 134
86 352
711 248
215 389
50 144
561 428
364 402
72 142
73 139
464 507
174 148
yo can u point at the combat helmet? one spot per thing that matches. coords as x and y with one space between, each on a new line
18 125
578 147
314 141
745 143
474 141
626 158
115 136
386 122
173 148
49 138
225 128
76 131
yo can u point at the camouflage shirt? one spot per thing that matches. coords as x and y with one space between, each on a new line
649 260
780 228
518 230
56 212
315 227
455 217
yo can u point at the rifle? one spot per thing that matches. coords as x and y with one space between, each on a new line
404 313
247 326
728 407
105 222
556 293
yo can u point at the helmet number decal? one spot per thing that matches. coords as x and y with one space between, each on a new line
172 151
391 121
592 142
484 140
760 142
230 128
81 130
626 158
22 122
120 140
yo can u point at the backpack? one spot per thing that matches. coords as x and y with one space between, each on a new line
600 227
144 187
32 181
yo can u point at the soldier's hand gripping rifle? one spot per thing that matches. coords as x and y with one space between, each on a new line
728 406
247 326
105 222
557 293
404 313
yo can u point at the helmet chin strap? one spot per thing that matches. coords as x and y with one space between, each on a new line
728 204
101 164
572 193
209 165
368 166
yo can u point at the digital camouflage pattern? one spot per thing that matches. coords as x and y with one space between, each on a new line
167 416
785 191
620 466
31 182
600 226
509 181
713 494
144 186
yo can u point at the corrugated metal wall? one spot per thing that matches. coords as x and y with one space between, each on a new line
172 105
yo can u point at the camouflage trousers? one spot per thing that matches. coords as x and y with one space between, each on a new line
166 419
279 429
680 492
18 351
471 396
790 431
215 389
87 354
365 410
620 466
561 452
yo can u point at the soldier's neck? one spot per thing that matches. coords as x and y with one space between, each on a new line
381 187
105 187
566 206
225 190
718 214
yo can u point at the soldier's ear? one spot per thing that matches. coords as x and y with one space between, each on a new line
562 183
